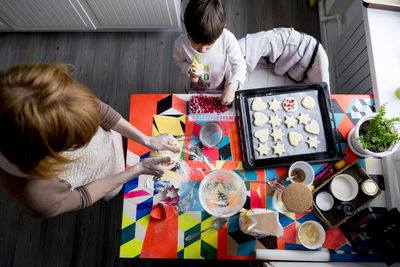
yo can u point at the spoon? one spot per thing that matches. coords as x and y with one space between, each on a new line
275 184
217 224
290 178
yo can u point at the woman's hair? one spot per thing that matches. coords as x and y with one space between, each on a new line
204 20
44 112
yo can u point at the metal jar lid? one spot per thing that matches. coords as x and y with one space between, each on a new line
369 187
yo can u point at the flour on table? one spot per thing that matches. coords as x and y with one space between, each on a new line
312 127
260 118
262 135
295 138
258 104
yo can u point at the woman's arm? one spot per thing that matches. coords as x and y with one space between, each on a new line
151 166
111 119
156 142
41 198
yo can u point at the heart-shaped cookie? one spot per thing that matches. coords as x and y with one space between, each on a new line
262 135
258 104
260 118
312 127
295 138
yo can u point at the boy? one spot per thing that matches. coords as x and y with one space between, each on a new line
209 51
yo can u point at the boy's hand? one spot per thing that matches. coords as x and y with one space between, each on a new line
228 95
193 76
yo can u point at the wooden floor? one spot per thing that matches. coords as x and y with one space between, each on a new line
115 65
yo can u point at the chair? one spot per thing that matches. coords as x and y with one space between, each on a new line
375 233
263 74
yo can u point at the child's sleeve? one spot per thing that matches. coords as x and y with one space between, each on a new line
237 61
180 58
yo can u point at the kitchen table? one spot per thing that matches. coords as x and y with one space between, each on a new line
144 237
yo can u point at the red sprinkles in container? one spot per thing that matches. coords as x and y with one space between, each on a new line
206 104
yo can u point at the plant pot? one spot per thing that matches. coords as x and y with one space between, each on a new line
356 146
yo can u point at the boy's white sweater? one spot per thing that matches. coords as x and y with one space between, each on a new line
224 57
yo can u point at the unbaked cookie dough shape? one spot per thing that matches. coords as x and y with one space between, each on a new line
290 121
289 104
312 141
308 102
279 148
258 104
277 134
175 156
274 121
274 105
295 138
263 149
303 118
262 135
312 127
260 118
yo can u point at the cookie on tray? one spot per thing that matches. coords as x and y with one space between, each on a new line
308 102
274 105
289 104
260 118
258 104
262 135
312 127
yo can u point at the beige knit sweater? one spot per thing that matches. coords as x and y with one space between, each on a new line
50 197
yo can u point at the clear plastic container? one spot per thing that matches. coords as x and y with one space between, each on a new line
229 115
211 134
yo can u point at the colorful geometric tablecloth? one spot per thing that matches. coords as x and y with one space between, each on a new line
144 237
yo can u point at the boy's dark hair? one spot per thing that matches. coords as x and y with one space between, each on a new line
204 20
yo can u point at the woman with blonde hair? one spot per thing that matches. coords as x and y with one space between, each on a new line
60 147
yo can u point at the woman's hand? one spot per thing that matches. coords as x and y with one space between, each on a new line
162 142
155 166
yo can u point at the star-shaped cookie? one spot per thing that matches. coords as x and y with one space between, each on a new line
277 134
274 121
290 121
279 148
312 141
274 105
263 149
303 118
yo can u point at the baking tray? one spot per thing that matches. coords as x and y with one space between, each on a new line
322 112
392 5
333 217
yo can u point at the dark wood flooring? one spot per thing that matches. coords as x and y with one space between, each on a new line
115 65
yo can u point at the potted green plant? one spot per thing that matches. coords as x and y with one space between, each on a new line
375 136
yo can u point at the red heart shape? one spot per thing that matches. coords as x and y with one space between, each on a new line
158 212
